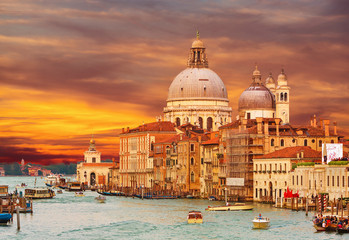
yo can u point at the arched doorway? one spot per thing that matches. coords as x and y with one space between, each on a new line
271 190
92 179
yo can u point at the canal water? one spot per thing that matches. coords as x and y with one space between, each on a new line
70 217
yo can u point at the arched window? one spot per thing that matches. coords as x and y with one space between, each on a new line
209 123
305 142
332 141
192 177
272 142
320 143
93 159
201 122
192 161
282 143
178 122
285 97
281 97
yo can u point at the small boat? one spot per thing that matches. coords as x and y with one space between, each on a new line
100 199
38 193
228 207
261 222
195 217
59 191
3 191
319 228
190 196
22 185
5 218
53 180
342 230
212 198
74 186
79 194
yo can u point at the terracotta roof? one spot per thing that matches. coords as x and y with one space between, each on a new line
214 141
164 126
291 152
171 139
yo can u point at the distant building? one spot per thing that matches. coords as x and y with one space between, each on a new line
92 171
2 172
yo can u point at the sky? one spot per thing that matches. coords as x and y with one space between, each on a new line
70 69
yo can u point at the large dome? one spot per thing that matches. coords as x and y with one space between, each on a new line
257 96
197 83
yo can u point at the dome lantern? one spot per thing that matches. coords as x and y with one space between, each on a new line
197 56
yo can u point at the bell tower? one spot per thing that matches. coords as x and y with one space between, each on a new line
282 98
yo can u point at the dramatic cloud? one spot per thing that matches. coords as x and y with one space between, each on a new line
70 69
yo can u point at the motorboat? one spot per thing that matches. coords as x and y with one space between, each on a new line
195 217
261 222
100 199
79 194
3 191
38 193
59 191
5 218
231 207
212 198
74 186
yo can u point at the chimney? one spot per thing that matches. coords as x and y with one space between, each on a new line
314 121
327 127
244 123
277 122
335 128
259 125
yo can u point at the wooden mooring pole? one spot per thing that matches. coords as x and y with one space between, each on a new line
18 219
306 206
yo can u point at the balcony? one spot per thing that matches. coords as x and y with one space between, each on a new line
208 177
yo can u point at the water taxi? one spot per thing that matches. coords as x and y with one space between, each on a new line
195 217
38 193
261 222
3 191
74 186
229 207
79 194
100 199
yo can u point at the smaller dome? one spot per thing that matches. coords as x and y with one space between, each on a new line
270 79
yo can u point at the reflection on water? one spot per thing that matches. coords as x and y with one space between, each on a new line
70 217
